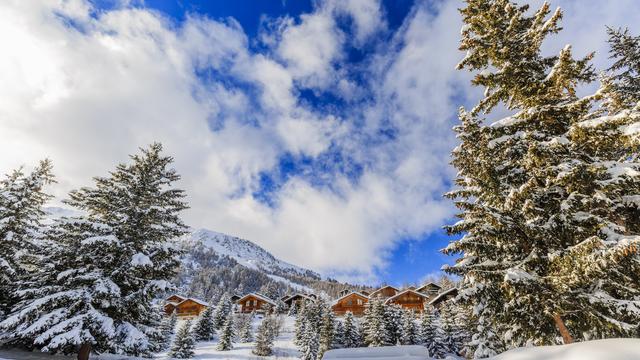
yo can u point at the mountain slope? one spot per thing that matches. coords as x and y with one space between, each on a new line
245 252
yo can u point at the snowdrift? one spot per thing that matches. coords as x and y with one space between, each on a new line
609 349
408 352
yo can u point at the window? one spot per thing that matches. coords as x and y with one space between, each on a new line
248 302
359 301
349 302
255 302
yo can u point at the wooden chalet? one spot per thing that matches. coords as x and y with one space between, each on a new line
297 299
255 302
354 302
430 289
443 297
344 292
188 308
235 297
385 292
409 299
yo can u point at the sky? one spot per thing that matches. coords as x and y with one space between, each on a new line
320 130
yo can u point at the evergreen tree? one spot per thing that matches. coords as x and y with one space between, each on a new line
21 199
410 334
264 338
449 331
95 284
223 309
204 329
621 86
393 323
374 324
226 335
430 333
167 329
245 333
338 338
293 310
545 245
327 331
310 344
351 336
184 343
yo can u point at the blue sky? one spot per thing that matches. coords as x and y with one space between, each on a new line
321 130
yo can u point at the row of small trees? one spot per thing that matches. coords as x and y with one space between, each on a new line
548 196
443 331
88 280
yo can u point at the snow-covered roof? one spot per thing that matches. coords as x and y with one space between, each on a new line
384 287
296 295
442 295
347 295
259 297
404 292
176 295
195 301
429 284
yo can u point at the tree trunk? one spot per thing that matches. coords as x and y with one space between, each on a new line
84 351
566 336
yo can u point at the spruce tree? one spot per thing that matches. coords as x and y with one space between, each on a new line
310 344
204 330
393 323
264 338
293 310
226 335
223 309
544 244
374 324
351 337
410 334
245 329
167 329
21 199
184 344
103 269
327 331
338 338
430 333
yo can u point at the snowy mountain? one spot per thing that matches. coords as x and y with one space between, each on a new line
245 252
215 263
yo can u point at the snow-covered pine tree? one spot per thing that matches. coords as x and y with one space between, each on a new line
374 324
167 329
351 337
226 334
102 270
21 199
245 328
264 338
393 322
338 338
204 329
448 330
327 331
542 247
309 343
410 334
223 309
293 310
184 344
430 333
621 86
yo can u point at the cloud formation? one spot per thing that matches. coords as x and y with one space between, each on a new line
331 185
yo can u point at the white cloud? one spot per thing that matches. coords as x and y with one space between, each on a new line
86 96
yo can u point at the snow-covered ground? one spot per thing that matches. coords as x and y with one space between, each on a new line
611 349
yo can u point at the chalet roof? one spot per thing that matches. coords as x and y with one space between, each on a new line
176 295
198 301
404 292
432 284
259 297
384 287
442 296
298 295
347 295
